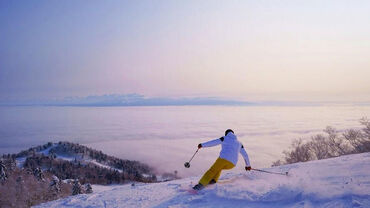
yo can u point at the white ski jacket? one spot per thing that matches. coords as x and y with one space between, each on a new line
230 148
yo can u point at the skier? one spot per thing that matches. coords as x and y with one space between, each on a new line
227 159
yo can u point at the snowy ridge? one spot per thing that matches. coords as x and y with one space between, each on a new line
336 182
67 152
67 157
68 160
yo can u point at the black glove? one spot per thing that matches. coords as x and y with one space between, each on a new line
199 146
248 168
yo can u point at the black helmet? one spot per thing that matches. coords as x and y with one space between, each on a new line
227 131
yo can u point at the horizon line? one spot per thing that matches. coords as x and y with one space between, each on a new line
133 99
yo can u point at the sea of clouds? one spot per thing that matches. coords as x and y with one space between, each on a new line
167 136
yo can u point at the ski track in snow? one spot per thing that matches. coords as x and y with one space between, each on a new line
332 183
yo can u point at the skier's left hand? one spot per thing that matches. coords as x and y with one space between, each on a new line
199 146
248 168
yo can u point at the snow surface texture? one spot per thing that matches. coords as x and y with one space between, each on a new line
337 182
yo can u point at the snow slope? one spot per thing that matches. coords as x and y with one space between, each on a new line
337 182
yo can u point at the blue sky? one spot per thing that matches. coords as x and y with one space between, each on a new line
247 50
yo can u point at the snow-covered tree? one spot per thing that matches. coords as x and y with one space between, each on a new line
76 188
88 188
38 174
55 184
3 175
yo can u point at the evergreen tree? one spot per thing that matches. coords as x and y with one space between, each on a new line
39 174
3 175
88 188
76 188
55 184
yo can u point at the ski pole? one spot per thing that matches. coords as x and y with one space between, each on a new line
187 164
286 173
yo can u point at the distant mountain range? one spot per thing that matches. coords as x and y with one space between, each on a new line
130 100
134 99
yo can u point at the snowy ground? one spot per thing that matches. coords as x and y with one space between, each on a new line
337 182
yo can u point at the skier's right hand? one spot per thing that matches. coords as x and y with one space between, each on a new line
199 146
248 168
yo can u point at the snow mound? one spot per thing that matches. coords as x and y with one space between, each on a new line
337 182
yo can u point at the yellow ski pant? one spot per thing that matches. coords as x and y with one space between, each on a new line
215 171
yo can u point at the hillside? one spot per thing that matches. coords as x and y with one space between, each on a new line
68 160
56 170
337 182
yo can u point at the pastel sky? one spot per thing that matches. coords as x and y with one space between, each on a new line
310 50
